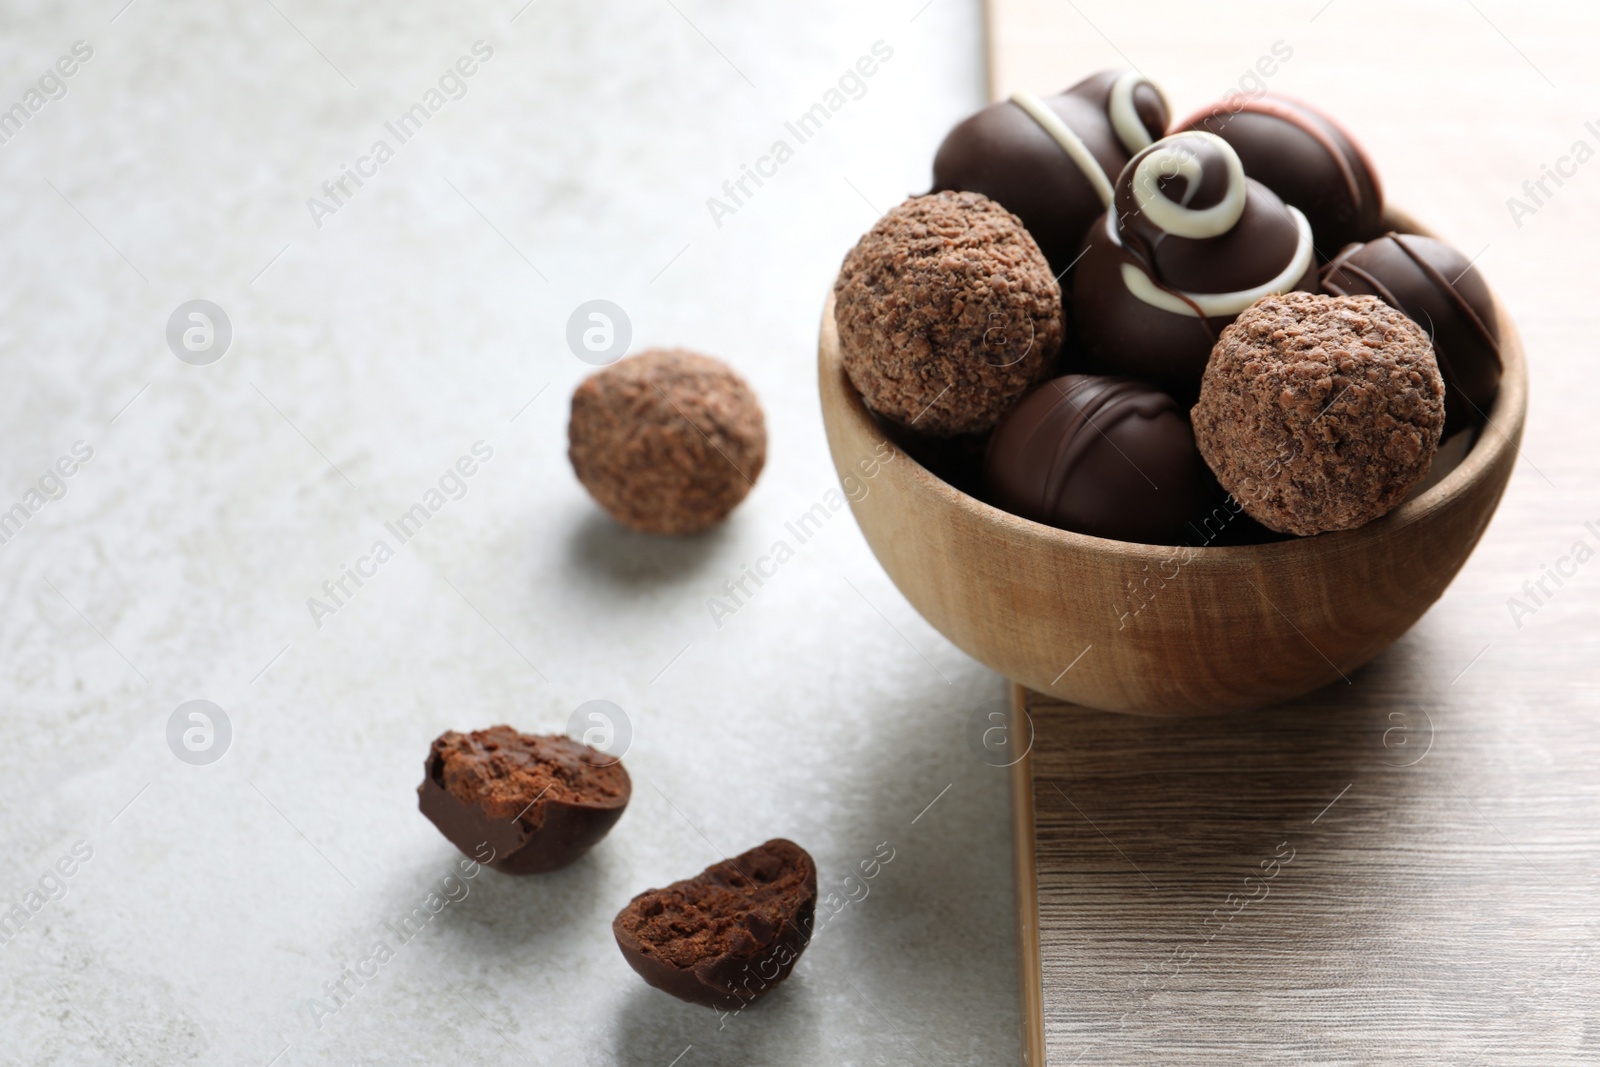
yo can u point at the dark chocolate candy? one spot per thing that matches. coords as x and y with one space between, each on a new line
1189 244
1111 457
1307 159
521 803
728 935
1440 290
1052 161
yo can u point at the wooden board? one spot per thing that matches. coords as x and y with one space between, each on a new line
1402 869
1363 880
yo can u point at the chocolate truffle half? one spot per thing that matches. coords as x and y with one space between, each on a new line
1319 413
521 803
1441 291
1189 243
729 934
668 441
947 313
1052 161
1112 457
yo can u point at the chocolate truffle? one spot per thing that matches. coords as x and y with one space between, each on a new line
668 441
947 312
1052 161
729 934
1319 412
1189 243
1112 457
1442 292
521 803
1307 159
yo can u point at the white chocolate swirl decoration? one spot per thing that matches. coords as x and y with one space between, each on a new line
1124 116
1173 157
1070 142
1170 158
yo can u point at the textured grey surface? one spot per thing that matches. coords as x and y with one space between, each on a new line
367 355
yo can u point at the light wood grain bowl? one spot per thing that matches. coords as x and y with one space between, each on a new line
1234 628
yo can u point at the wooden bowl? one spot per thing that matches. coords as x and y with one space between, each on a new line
1220 629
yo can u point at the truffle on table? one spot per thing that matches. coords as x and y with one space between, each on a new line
521 803
947 312
1319 413
1441 291
668 441
729 934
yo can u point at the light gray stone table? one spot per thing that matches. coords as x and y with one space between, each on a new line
373 343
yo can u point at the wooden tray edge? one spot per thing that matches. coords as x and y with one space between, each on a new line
1030 978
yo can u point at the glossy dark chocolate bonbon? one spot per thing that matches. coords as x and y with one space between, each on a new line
1190 242
1051 161
1307 159
1111 457
1439 289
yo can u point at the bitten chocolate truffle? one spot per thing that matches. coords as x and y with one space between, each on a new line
1111 457
1189 243
1052 161
668 441
947 312
521 803
1307 159
1441 291
728 935
1318 413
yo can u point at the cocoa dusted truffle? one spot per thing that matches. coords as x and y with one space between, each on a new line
668 441
729 934
1307 159
1189 243
1053 160
947 312
1318 413
1112 457
521 803
1441 291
